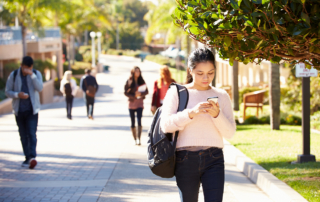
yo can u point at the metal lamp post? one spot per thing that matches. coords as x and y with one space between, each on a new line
92 35
99 45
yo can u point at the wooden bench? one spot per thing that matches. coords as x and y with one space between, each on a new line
253 99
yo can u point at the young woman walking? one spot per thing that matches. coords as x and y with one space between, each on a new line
68 88
136 90
202 127
160 88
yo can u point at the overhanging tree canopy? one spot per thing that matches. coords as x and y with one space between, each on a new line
253 30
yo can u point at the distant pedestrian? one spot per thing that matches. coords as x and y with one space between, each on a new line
90 87
160 88
68 88
202 126
23 86
136 90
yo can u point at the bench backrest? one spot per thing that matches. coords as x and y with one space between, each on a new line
254 97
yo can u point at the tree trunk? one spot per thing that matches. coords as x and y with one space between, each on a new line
274 96
235 87
86 37
72 49
215 66
24 40
68 51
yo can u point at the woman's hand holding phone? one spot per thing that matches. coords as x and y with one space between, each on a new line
214 110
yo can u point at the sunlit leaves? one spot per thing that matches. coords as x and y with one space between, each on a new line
257 29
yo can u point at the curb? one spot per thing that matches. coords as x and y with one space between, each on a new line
277 190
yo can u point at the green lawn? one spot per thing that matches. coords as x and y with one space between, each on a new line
275 150
178 75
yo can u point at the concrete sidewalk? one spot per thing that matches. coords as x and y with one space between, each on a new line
84 160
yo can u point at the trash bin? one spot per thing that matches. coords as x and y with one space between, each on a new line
106 67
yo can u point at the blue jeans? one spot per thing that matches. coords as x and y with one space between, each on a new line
28 123
205 167
132 116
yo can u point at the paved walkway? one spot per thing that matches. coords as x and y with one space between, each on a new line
85 160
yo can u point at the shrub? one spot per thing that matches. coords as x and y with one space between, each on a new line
252 120
265 120
315 120
293 120
293 98
57 84
42 65
77 68
83 49
158 59
2 83
2 95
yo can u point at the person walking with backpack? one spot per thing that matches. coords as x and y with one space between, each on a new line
90 87
160 88
136 90
23 86
202 127
68 88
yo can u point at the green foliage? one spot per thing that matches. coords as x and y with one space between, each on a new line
286 119
252 120
315 120
162 60
77 68
2 83
293 97
249 30
159 59
134 11
274 150
160 21
2 95
249 90
124 52
42 65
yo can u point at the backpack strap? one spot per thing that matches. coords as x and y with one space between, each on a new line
15 72
183 95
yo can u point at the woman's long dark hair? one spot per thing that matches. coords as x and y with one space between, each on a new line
198 56
132 82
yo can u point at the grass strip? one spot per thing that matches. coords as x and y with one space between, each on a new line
275 150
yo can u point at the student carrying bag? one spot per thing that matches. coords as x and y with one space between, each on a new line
161 151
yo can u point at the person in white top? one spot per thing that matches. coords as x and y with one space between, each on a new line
68 88
202 127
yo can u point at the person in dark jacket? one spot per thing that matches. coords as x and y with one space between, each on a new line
135 95
160 88
87 83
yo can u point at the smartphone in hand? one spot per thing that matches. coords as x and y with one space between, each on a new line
213 99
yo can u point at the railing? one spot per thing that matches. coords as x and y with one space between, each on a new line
12 35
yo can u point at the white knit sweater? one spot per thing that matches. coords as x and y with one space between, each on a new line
203 129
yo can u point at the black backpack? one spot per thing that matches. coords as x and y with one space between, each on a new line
161 150
67 89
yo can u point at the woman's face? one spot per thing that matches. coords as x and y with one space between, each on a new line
203 74
136 73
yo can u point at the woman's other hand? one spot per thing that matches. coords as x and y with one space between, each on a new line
138 94
153 109
201 108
